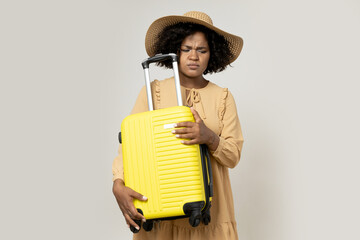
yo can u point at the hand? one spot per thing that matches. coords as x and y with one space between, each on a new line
197 132
124 197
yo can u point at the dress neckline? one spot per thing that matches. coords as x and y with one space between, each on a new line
197 89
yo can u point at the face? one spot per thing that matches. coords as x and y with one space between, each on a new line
194 55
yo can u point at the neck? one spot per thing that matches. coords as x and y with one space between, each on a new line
188 82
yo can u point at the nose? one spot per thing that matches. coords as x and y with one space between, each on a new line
194 55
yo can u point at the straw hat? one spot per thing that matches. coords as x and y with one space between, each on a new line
235 42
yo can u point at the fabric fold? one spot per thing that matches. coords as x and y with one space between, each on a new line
222 108
156 98
193 99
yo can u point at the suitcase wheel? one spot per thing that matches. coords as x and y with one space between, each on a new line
148 225
195 217
206 218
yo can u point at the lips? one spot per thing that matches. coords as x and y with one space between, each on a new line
193 66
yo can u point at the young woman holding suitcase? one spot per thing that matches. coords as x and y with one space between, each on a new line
202 48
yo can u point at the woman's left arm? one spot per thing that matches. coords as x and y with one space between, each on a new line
225 148
231 139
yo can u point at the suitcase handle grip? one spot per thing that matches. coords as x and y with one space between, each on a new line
158 58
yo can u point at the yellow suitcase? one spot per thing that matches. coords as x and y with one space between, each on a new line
176 178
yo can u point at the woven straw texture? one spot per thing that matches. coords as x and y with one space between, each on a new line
235 42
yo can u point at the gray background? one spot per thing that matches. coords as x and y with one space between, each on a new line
70 72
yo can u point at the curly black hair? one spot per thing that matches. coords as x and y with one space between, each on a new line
171 37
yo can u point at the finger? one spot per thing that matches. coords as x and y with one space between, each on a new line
184 124
131 222
181 130
130 214
191 142
185 136
137 195
134 214
138 216
119 204
196 115
124 207
127 222
123 210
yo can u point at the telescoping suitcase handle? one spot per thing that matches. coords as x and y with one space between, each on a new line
158 58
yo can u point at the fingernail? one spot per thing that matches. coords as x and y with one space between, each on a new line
144 220
173 131
182 141
144 198
175 125
128 225
137 228
177 135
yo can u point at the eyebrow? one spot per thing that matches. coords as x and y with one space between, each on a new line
198 48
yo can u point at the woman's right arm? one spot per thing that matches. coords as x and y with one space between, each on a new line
124 197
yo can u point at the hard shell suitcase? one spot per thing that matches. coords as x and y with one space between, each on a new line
176 178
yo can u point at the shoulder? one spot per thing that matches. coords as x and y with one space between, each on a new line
222 97
164 82
215 88
220 93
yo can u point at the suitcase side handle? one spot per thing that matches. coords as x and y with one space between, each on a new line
207 174
211 191
158 58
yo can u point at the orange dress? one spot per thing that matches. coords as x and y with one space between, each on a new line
216 107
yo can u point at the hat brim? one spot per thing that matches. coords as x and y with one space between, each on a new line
235 42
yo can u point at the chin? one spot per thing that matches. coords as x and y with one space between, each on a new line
193 74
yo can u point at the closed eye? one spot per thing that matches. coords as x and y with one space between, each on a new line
199 50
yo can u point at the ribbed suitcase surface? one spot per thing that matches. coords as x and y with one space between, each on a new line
158 166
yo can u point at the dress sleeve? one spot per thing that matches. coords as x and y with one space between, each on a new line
231 139
140 106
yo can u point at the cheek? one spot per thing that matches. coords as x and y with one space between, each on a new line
206 61
181 64
182 60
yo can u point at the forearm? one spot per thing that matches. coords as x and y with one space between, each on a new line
228 152
213 141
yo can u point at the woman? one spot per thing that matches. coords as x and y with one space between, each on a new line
202 48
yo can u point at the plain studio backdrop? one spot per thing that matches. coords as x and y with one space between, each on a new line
70 72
